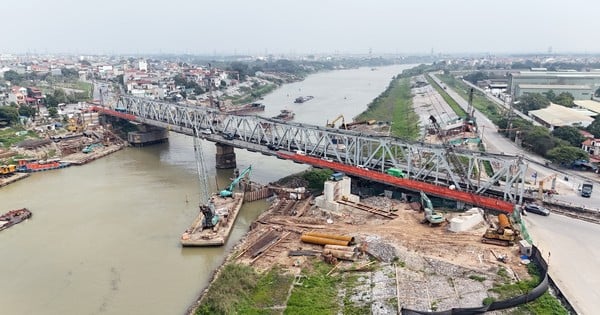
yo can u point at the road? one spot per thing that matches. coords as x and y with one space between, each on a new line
570 246
570 242
496 143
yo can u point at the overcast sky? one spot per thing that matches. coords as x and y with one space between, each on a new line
299 26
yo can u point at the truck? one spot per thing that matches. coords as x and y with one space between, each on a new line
396 172
337 176
586 189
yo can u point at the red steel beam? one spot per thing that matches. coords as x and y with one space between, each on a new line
111 112
435 190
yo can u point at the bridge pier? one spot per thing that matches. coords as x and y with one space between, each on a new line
225 156
146 135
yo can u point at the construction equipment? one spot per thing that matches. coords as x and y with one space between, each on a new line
91 147
7 170
335 120
432 217
543 181
503 235
228 192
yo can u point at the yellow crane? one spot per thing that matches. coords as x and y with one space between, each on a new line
543 181
335 120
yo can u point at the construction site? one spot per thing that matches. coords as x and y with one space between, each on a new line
404 253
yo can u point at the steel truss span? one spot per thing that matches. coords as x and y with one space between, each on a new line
424 162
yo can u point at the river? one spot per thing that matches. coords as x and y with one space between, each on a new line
104 237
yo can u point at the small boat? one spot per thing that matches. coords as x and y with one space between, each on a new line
285 115
303 99
13 217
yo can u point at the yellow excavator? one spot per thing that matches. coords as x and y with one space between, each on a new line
335 120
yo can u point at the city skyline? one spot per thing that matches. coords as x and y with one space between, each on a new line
236 27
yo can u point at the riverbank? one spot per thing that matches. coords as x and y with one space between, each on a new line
13 178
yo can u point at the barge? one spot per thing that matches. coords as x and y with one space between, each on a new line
14 217
31 166
244 109
303 99
285 115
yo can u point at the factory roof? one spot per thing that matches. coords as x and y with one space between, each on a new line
558 115
554 86
589 104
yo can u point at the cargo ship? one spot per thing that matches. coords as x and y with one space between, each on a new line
14 217
303 99
30 166
215 221
285 115
244 109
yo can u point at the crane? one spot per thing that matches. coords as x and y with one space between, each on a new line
206 206
227 192
332 123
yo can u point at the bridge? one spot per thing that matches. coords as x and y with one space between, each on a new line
458 170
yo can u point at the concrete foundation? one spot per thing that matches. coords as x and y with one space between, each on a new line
333 191
467 220
225 156
147 135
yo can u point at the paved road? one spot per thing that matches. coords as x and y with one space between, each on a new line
572 243
572 248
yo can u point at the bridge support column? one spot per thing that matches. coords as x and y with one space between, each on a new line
225 156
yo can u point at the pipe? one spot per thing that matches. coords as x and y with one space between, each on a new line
349 239
341 254
321 240
344 248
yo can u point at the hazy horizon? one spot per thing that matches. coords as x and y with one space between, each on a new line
234 27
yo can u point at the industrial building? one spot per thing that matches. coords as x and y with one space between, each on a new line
581 84
559 116
590 105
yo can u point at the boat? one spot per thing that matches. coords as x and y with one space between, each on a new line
244 109
303 99
215 219
285 114
13 217
32 165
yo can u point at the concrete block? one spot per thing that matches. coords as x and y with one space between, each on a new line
466 220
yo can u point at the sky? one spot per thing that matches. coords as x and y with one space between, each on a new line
258 27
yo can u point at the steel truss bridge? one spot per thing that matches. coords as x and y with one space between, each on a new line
463 169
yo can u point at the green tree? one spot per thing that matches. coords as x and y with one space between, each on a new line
9 115
569 134
565 99
539 140
550 95
594 127
531 101
53 112
26 110
597 93
12 76
566 154
476 76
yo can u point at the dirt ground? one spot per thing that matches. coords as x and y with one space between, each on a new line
429 254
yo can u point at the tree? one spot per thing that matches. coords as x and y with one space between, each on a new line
569 134
550 95
53 112
476 76
567 154
27 111
12 76
539 140
565 99
9 114
531 101
594 127
597 93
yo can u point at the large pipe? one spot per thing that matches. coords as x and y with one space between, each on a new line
341 254
349 239
344 248
322 241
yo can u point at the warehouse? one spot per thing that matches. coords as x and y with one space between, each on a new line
559 116
589 79
589 105
579 92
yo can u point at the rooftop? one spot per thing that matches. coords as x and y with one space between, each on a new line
558 115
554 86
589 104
555 74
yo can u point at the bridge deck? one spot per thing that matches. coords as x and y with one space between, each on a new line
431 189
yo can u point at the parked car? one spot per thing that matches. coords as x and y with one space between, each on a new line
533 208
206 131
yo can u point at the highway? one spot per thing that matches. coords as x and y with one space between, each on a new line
571 248
572 243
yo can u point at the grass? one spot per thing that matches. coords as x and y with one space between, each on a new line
241 290
477 278
254 94
545 304
395 103
9 138
318 293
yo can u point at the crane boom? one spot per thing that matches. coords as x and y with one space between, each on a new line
229 190
332 123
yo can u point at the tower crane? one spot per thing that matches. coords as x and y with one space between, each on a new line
227 192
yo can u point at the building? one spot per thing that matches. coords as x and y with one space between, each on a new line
579 92
559 116
590 105
557 78
17 95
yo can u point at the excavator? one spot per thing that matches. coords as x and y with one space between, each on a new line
335 120
503 235
228 192
432 217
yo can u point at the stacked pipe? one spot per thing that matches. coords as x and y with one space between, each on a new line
326 239
341 252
